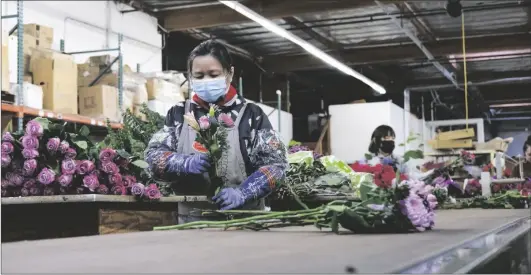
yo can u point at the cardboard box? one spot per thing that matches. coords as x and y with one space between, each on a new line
58 78
28 78
161 89
101 61
32 48
456 134
99 102
42 33
5 62
33 95
86 74
451 144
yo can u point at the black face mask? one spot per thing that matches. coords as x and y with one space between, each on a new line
387 146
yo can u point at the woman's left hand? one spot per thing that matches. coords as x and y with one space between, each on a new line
229 198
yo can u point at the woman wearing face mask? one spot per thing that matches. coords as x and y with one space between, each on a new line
256 159
526 166
382 146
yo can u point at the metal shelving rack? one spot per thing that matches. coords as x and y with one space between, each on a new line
19 97
19 108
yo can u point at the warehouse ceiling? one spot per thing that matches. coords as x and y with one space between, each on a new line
362 34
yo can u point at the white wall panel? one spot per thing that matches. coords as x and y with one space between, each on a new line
65 16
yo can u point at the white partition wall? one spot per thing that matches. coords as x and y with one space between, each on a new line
351 127
286 123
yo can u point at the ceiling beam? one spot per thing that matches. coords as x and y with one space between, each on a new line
395 54
330 44
204 17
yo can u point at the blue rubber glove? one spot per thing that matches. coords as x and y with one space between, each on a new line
229 198
188 164
256 186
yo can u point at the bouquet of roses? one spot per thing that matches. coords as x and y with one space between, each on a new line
47 160
400 207
211 137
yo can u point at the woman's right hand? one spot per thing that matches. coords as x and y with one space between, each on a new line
196 164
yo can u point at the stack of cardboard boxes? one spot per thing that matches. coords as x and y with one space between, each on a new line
162 95
101 99
51 73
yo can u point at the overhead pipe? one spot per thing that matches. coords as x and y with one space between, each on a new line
450 76
511 118
360 19
501 81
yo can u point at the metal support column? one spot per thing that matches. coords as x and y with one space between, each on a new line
120 74
260 99
240 86
20 60
279 107
288 101
406 118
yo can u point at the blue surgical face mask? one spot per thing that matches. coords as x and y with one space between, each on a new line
210 90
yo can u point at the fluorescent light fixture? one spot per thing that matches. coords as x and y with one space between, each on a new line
509 105
274 28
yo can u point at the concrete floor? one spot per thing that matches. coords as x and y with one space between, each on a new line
294 250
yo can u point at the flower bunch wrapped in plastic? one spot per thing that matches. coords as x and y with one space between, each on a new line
46 160
403 206
211 139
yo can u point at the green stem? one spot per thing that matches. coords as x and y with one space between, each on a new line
268 216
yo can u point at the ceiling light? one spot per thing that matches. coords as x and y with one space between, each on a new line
274 28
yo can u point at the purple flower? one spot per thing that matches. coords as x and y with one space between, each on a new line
63 146
115 179
24 192
413 208
5 193
225 120
30 142
48 191
7 137
107 155
137 189
29 183
85 166
65 180
204 123
14 178
33 128
128 180
29 167
119 190
68 166
102 189
53 145
7 147
432 201
91 182
46 176
110 168
5 183
30 153
152 192
35 191
6 160
71 153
